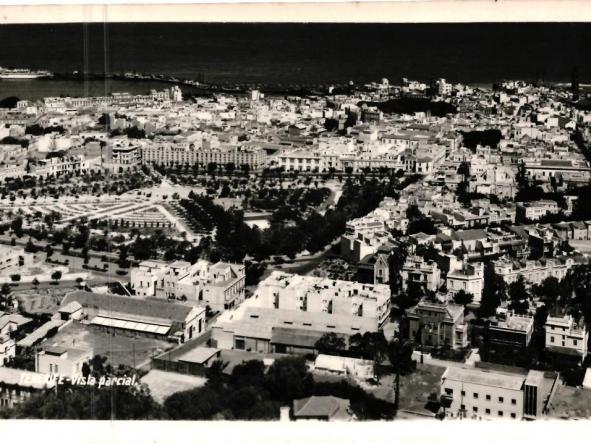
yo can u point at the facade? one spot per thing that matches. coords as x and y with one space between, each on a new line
189 154
533 271
220 286
289 313
17 385
433 324
120 155
65 362
515 330
417 270
58 166
147 317
536 209
565 336
484 394
469 278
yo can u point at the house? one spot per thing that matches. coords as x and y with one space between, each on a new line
434 324
514 330
149 317
487 394
322 408
468 278
417 270
58 360
71 311
220 286
565 336
10 325
374 268
17 385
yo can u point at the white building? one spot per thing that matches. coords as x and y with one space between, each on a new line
565 336
468 278
488 394
219 286
289 313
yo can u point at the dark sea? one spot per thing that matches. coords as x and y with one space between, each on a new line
292 54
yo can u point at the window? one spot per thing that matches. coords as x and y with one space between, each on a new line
513 401
474 409
239 343
475 395
513 415
500 413
449 391
551 339
501 399
463 393
488 397
487 411
575 342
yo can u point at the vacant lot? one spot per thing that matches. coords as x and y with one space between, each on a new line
414 388
163 384
117 347
570 403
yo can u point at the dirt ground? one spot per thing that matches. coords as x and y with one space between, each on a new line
117 347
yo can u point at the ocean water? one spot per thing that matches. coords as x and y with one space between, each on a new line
293 54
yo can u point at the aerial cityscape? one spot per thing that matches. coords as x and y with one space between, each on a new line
210 248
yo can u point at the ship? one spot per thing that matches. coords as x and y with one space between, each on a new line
22 74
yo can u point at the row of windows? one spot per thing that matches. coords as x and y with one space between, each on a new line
488 412
475 395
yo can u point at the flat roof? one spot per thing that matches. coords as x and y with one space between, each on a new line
485 378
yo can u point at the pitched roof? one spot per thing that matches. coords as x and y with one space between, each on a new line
135 306
322 406
39 333
17 319
295 337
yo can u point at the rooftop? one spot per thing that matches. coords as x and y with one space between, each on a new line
485 378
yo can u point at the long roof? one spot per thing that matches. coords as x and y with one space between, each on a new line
135 306
485 377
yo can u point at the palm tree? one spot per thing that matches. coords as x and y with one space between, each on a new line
400 355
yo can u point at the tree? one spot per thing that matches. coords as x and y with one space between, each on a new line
56 276
548 291
248 373
30 246
463 298
17 226
288 378
331 344
369 346
230 167
493 292
399 353
211 168
518 296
